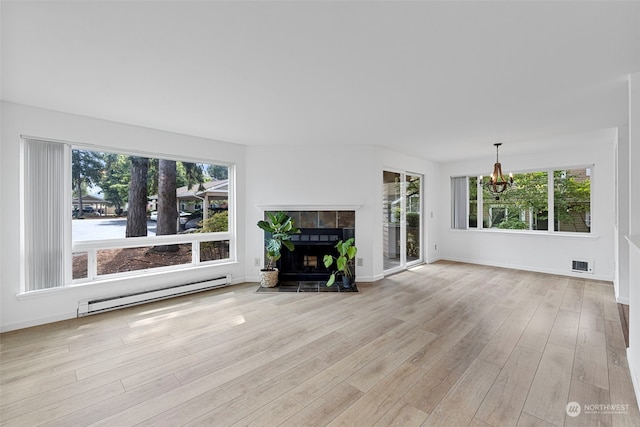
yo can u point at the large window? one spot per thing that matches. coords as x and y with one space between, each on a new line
99 214
561 197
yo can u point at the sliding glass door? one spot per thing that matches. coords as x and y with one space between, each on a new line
402 220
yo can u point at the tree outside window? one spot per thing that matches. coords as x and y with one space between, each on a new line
572 200
525 205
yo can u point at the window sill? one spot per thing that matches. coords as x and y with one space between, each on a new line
43 293
545 234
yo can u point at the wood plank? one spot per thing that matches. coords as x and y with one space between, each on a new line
528 420
326 408
265 373
623 314
590 363
39 414
616 348
117 403
478 423
547 397
536 334
622 393
434 385
592 314
464 398
587 395
505 399
402 415
503 342
236 409
431 353
565 329
572 299
376 370
373 405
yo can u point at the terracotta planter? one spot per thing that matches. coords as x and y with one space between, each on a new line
268 278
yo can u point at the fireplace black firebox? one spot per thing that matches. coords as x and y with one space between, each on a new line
305 263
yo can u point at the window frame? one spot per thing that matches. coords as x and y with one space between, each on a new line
92 246
550 203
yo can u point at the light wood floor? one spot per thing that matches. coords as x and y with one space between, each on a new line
443 344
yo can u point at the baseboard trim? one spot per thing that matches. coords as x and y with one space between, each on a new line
624 301
532 269
38 322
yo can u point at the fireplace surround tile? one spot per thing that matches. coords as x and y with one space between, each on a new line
346 219
327 219
308 219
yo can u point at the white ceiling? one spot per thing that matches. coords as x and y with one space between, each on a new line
441 80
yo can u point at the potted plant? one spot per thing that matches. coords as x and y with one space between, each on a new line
344 263
280 228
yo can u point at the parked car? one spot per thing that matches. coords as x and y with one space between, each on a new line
154 215
193 220
86 210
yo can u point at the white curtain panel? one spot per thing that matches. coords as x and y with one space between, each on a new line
459 208
46 206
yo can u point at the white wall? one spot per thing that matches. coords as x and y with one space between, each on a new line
621 279
328 177
539 251
57 304
302 176
634 231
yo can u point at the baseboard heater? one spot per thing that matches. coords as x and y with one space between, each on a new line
113 303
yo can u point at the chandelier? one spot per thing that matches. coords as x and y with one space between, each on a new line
497 182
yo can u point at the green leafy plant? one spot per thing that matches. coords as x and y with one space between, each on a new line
280 228
344 261
513 223
218 222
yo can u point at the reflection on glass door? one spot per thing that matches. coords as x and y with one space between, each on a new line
402 219
391 208
413 218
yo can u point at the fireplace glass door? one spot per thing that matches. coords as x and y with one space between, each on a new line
402 220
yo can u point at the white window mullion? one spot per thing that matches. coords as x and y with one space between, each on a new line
66 215
195 252
92 264
551 221
403 219
479 214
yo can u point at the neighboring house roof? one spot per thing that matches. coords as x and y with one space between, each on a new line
211 189
89 199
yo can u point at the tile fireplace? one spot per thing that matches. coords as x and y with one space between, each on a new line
320 231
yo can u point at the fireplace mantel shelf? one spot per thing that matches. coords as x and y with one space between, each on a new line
295 207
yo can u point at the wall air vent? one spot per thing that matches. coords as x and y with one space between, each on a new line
581 266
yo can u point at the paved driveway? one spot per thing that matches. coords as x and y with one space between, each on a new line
104 228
